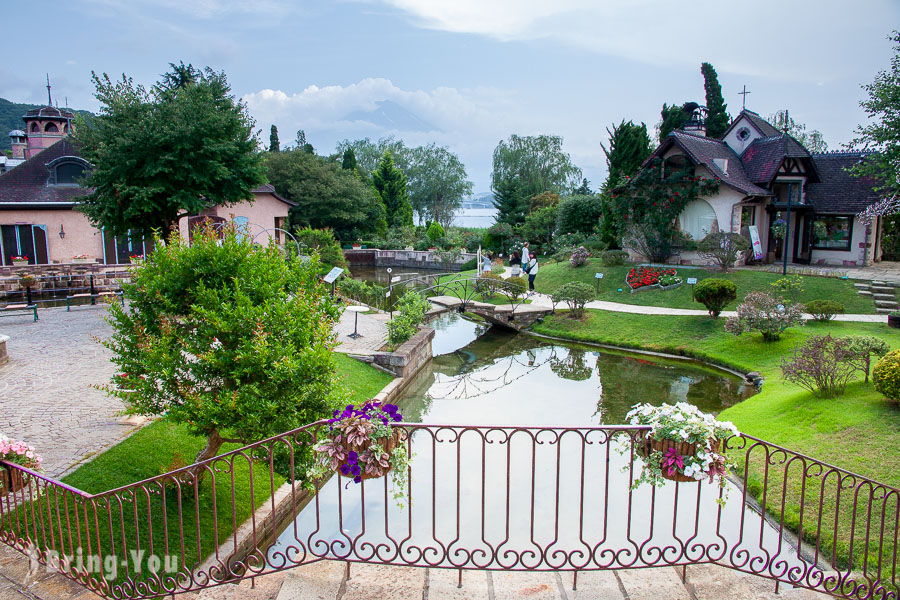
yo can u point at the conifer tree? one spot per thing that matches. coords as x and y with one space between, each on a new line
348 161
716 119
629 147
672 118
390 185
274 145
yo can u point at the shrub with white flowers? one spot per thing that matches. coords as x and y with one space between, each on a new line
683 423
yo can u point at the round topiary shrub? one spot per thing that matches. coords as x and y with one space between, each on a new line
714 294
613 258
886 375
824 310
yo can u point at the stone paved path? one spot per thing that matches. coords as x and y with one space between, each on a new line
372 329
46 396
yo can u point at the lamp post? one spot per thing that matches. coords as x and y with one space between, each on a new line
787 231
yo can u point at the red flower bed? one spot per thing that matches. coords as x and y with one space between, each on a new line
644 276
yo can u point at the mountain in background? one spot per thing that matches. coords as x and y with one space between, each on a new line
391 116
11 118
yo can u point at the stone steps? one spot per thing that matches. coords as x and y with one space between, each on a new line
883 294
327 580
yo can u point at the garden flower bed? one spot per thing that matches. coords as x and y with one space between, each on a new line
640 279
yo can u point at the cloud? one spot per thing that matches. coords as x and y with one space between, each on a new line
203 9
766 40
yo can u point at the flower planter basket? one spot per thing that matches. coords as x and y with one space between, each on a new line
671 287
388 444
894 321
20 263
12 480
682 448
81 260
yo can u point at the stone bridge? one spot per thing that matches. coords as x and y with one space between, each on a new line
513 316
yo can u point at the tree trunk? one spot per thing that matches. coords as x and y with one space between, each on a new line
214 442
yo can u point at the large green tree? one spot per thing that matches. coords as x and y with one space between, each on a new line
438 183
167 152
525 166
326 195
882 133
717 119
812 140
629 147
369 153
671 118
227 337
390 184
274 145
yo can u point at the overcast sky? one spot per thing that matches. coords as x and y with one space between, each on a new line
465 73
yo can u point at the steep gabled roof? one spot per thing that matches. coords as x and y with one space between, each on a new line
764 155
268 188
840 192
763 126
27 183
703 151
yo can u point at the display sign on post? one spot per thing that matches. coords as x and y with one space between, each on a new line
692 281
754 241
333 275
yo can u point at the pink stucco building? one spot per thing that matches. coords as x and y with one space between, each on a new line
38 198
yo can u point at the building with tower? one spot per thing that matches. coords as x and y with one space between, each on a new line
768 182
40 190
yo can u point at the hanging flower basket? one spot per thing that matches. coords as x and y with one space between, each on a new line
673 449
19 453
380 451
12 481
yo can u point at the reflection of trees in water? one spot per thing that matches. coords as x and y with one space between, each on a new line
573 366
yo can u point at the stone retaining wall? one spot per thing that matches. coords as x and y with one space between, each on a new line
415 259
410 357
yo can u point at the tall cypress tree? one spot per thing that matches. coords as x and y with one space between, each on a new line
629 146
274 145
390 185
717 119
348 161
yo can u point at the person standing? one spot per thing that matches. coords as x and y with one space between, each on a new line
525 255
486 258
515 263
532 271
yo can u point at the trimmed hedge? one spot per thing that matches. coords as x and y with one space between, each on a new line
886 375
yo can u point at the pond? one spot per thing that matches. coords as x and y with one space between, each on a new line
494 497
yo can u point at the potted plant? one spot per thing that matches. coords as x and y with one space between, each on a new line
136 259
362 444
357 245
20 261
80 258
19 453
894 319
683 444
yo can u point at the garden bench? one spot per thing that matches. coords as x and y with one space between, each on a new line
14 307
119 293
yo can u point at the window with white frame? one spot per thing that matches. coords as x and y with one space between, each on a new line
698 219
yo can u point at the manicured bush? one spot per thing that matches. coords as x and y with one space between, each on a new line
863 347
469 265
488 284
412 309
575 295
761 312
579 214
613 258
886 375
435 232
723 248
323 242
715 294
579 257
821 364
515 287
824 310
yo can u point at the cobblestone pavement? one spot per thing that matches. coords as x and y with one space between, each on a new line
46 396
371 328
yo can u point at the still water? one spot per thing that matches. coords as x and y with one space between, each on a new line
494 497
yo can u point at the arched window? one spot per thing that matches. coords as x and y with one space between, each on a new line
698 219
35 128
69 173
51 128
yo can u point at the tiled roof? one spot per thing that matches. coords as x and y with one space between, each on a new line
48 112
764 155
703 150
839 191
764 127
268 188
27 183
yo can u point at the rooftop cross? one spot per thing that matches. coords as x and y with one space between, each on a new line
744 100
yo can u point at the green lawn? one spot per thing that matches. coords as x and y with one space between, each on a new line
858 431
552 275
150 516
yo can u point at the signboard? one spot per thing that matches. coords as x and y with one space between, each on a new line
754 240
333 275
692 281
395 279
598 275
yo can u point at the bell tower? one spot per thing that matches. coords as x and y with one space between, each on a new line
46 125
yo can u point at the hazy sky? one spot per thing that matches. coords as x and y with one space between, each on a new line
465 73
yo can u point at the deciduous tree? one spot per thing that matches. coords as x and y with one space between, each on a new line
812 140
438 183
167 152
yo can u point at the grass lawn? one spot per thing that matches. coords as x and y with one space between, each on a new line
151 517
858 431
552 275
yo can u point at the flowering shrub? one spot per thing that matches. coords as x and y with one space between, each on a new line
685 423
20 258
81 256
579 257
19 453
361 444
639 277
761 312
822 364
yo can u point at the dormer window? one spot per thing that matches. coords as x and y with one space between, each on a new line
67 170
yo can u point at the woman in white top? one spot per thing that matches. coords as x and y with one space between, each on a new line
532 271
526 255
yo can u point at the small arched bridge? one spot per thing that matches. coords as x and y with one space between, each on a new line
497 301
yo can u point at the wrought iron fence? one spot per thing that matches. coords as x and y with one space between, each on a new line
504 498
